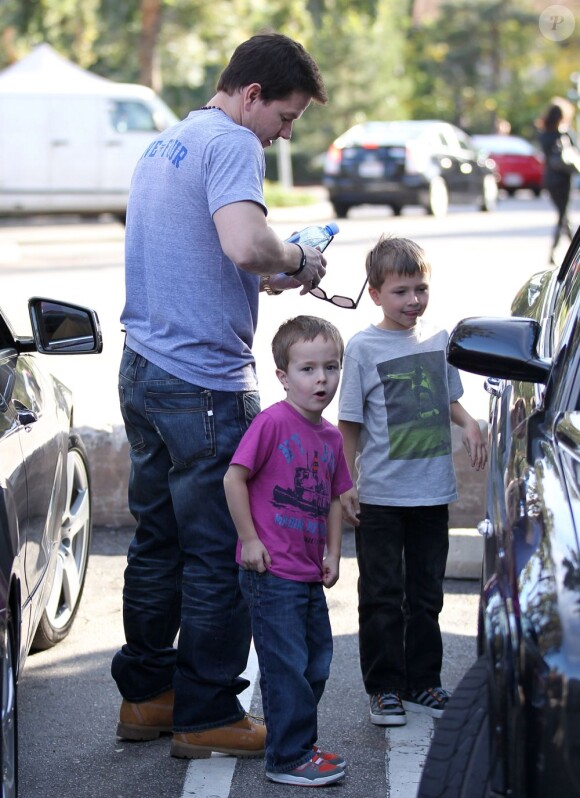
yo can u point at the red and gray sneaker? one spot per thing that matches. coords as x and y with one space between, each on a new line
314 773
332 759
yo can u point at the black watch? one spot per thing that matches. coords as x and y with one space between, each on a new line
302 262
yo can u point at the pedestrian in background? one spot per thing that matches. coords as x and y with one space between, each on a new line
562 163
198 251
397 400
283 490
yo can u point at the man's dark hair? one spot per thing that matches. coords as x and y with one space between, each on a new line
279 64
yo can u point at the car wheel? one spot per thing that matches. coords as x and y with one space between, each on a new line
396 209
73 553
511 192
9 742
490 193
438 197
458 762
537 192
340 209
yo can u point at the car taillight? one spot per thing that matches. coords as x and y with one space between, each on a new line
332 160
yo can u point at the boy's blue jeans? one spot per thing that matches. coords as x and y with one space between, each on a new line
293 641
402 554
181 571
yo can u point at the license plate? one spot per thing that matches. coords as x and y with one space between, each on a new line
511 179
371 169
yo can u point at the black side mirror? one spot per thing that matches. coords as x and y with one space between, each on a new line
61 328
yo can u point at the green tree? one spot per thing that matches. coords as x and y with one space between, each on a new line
481 62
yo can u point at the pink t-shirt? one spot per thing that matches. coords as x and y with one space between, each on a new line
296 468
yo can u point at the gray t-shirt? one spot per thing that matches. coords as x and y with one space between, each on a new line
188 308
398 385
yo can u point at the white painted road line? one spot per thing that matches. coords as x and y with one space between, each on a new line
212 778
407 748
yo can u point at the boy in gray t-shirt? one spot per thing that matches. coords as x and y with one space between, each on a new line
397 400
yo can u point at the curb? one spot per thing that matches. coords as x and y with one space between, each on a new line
108 453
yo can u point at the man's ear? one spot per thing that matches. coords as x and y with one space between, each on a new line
283 377
251 93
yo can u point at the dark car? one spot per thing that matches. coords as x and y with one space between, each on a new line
512 726
520 165
45 500
427 163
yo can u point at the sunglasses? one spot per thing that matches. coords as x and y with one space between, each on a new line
337 299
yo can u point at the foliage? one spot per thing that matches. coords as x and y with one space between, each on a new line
482 62
278 197
475 63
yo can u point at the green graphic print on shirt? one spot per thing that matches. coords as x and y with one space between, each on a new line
418 416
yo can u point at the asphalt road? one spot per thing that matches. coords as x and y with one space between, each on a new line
69 704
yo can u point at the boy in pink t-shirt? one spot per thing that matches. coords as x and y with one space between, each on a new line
283 488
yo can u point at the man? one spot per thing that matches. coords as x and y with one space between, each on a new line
198 251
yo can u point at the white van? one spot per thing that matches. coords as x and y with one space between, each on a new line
69 140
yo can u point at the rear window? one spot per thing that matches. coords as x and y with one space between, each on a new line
505 145
382 134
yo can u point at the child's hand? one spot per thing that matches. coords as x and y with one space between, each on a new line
350 506
330 569
255 556
475 445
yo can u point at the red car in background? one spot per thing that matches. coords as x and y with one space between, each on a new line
519 164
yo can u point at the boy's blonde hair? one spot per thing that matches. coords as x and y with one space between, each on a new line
302 328
392 255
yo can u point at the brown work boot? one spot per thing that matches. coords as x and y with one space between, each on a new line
246 738
146 720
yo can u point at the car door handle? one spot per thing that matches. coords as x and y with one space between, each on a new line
492 386
25 416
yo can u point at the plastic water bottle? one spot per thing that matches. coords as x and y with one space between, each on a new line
315 236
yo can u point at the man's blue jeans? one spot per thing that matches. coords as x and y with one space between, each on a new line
181 571
293 641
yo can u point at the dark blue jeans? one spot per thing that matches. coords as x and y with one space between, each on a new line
181 571
293 641
402 554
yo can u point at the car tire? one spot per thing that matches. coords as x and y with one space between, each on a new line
73 553
490 193
437 197
458 762
340 209
396 209
9 732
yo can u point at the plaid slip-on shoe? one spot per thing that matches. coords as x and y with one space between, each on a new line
430 701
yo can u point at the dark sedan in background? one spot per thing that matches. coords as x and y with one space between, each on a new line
512 727
45 500
427 163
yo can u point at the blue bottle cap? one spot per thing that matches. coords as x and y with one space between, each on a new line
332 228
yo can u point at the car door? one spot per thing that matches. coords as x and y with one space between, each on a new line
33 460
130 125
13 484
459 162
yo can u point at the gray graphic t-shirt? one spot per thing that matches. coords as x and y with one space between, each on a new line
399 386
